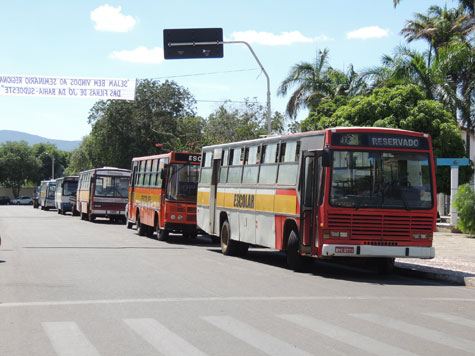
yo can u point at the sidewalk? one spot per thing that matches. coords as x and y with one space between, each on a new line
454 260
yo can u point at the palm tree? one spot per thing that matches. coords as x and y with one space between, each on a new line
439 27
312 81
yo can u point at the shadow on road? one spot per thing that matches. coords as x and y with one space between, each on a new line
355 271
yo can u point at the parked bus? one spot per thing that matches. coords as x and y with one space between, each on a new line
102 192
46 196
344 192
162 194
65 188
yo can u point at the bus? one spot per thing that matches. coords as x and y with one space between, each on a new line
46 196
341 192
162 194
65 188
102 192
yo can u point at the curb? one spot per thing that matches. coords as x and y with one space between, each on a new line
456 277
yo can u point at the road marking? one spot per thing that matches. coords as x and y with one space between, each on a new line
453 319
68 340
348 337
254 337
419 331
161 338
225 299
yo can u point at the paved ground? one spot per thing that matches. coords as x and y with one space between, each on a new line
454 260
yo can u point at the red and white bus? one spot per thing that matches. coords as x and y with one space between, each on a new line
349 192
102 192
162 194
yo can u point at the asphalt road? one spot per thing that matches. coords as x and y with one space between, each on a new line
70 287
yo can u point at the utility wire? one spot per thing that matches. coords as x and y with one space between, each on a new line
207 73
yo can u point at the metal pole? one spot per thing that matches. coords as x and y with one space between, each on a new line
52 167
255 57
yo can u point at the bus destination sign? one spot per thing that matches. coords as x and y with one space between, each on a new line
188 157
380 140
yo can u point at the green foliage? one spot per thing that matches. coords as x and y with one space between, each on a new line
18 165
44 152
403 107
235 123
122 130
465 205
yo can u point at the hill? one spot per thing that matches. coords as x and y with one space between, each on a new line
8 135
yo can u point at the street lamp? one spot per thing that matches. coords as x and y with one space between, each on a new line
52 164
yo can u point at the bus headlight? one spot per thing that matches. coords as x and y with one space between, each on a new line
180 217
173 217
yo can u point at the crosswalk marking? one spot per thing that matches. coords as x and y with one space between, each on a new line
164 340
453 319
68 340
254 337
348 337
419 331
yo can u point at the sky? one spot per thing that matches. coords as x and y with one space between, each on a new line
124 39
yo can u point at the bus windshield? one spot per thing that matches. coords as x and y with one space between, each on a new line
112 187
183 182
51 190
70 187
393 180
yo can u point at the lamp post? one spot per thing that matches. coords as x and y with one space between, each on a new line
52 164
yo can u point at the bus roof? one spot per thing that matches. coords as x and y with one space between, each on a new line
320 132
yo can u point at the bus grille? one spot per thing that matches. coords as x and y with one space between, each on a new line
385 226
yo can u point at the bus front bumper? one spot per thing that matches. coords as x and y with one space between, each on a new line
378 251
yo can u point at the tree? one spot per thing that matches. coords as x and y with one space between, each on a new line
122 130
465 205
312 81
404 107
45 152
18 165
235 123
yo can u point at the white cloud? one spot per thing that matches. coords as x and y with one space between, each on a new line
365 33
140 55
270 39
109 18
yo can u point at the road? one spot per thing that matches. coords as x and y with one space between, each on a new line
70 287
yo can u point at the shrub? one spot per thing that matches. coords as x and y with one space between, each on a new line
465 205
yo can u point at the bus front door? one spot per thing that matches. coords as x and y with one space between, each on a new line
309 183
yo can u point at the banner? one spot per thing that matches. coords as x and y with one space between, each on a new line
67 87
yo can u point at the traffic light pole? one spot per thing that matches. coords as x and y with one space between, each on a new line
269 130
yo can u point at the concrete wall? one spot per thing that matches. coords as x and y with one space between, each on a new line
24 191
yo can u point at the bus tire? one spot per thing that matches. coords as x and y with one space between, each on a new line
294 260
162 234
228 247
91 217
130 223
140 227
149 231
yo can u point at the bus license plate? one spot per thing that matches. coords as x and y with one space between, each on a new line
344 249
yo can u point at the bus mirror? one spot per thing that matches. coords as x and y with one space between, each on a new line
326 158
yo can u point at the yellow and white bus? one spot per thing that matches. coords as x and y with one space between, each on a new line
344 192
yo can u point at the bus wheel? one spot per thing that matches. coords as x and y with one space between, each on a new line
228 247
91 217
130 223
141 227
162 234
149 231
294 259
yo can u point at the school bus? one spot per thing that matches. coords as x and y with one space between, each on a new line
342 192
162 194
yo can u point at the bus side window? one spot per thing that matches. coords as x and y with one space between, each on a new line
153 175
268 169
223 174
288 167
234 173
251 169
